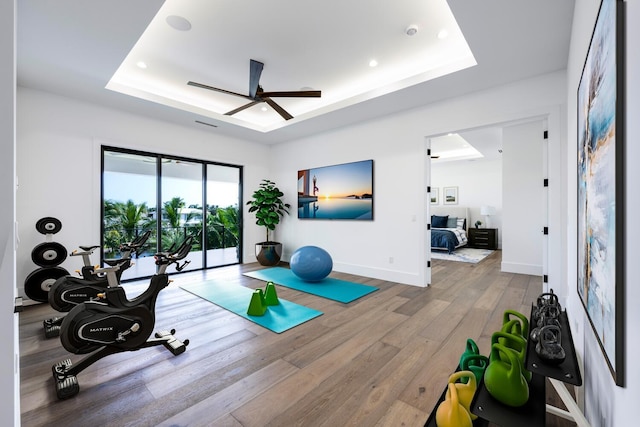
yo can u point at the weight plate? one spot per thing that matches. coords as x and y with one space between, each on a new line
49 254
38 283
48 225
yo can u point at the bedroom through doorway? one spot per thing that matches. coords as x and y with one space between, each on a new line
486 194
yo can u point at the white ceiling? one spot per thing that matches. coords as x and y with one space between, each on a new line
74 47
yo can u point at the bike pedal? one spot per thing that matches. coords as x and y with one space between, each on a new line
67 387
52 331
162 334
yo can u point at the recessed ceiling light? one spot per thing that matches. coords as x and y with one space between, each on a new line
411 30
178 23
443 34
141 64
373 63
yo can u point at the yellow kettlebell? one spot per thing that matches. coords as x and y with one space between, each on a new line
465 382
450 412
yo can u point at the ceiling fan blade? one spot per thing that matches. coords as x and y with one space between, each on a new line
228 92
292 94
278 108
255 70
244 107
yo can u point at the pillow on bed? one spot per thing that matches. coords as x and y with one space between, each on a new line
461 224
452 222
439 221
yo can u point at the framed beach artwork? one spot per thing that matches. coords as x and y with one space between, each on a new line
600 186
434 195
450 195
343 191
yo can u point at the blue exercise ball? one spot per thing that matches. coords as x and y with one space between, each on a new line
311 263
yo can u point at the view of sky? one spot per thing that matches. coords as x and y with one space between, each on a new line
142 188
343 180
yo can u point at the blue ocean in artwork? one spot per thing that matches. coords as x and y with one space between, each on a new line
342 191
337 209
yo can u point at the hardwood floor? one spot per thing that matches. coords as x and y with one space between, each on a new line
382 360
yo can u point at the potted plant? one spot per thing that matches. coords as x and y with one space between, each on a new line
269 209
478 223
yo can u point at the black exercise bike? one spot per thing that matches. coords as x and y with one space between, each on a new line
69 291
114 324
127 250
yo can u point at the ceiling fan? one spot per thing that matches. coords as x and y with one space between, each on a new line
258 95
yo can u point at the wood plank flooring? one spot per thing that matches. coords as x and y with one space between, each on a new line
382 360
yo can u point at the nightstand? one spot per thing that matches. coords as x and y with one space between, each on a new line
483 238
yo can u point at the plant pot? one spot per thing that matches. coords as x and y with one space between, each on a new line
269 253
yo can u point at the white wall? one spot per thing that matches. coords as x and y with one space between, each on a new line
479 183
10 354
58 166
606 403
396 143
522 187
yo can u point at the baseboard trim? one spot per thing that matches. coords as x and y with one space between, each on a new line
514 267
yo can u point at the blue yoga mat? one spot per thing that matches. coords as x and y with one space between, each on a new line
330 288
235 298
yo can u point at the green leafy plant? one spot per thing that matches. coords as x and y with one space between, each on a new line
268 205
478 224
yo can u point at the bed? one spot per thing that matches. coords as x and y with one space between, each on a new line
449 227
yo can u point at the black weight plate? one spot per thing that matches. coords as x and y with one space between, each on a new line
49 254
38 283
48 225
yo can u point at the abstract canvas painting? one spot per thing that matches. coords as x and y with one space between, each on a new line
600 195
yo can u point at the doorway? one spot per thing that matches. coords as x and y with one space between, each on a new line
501 186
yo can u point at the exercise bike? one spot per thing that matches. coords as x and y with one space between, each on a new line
69 291
115 324
127 250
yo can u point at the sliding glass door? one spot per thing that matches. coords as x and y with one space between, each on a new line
181 188
223 235
129 188
173 198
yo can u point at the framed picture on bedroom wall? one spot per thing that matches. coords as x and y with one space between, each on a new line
434 195
600 188
450 195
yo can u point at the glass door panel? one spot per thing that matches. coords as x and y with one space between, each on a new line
182 212
129 184
223 224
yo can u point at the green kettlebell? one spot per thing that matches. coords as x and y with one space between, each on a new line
470 350
475 363
524 322
503 377
513 326
466 390
515 343
450 412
